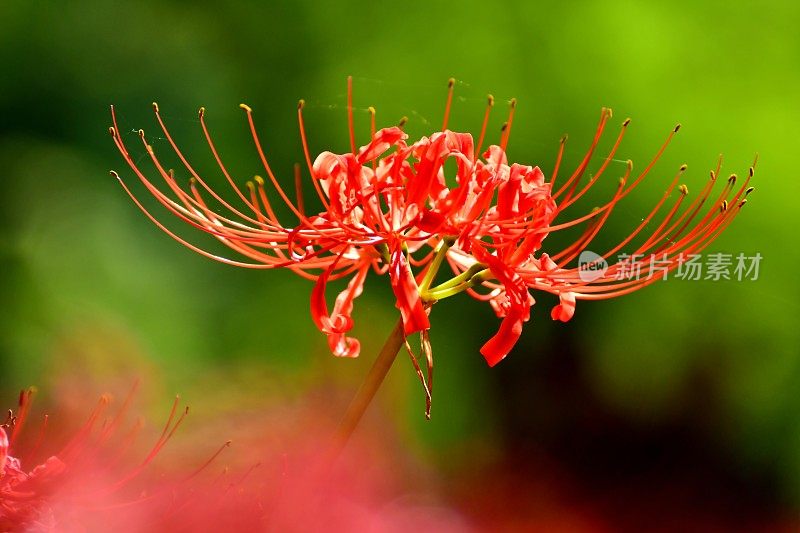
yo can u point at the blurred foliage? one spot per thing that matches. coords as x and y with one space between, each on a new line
82 266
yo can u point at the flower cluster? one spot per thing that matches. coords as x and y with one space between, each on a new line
407 208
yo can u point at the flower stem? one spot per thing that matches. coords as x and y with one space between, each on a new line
461 278
366 392
433 269
445 290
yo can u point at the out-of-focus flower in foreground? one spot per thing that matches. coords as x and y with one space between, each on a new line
84 482
405 208
98 482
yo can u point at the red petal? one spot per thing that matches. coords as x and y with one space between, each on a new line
431 158
407 293
340 321
342 346
381 142
430 221
327 163
498 347
319 307
495 156
564 310
518 312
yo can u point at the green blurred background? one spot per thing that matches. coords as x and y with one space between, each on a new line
679 400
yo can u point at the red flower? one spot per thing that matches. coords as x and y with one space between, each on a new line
389 206
87 481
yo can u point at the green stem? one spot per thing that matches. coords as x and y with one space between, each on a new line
366 392
433 269
461 278
445 290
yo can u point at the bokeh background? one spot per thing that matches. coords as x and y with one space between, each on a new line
677 405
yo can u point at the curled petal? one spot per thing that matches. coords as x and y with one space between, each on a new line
343 346
547 264
406 292
498 347
337 323
461 143
501 304
533 179
566 308
515 306
327 164
381 142
495 156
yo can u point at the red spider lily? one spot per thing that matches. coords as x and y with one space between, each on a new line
83 481
388 206
509 256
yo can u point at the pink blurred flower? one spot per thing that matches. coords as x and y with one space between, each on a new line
82 482
279 480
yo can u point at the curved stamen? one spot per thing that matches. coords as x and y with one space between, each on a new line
482 136
451 82
512 104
